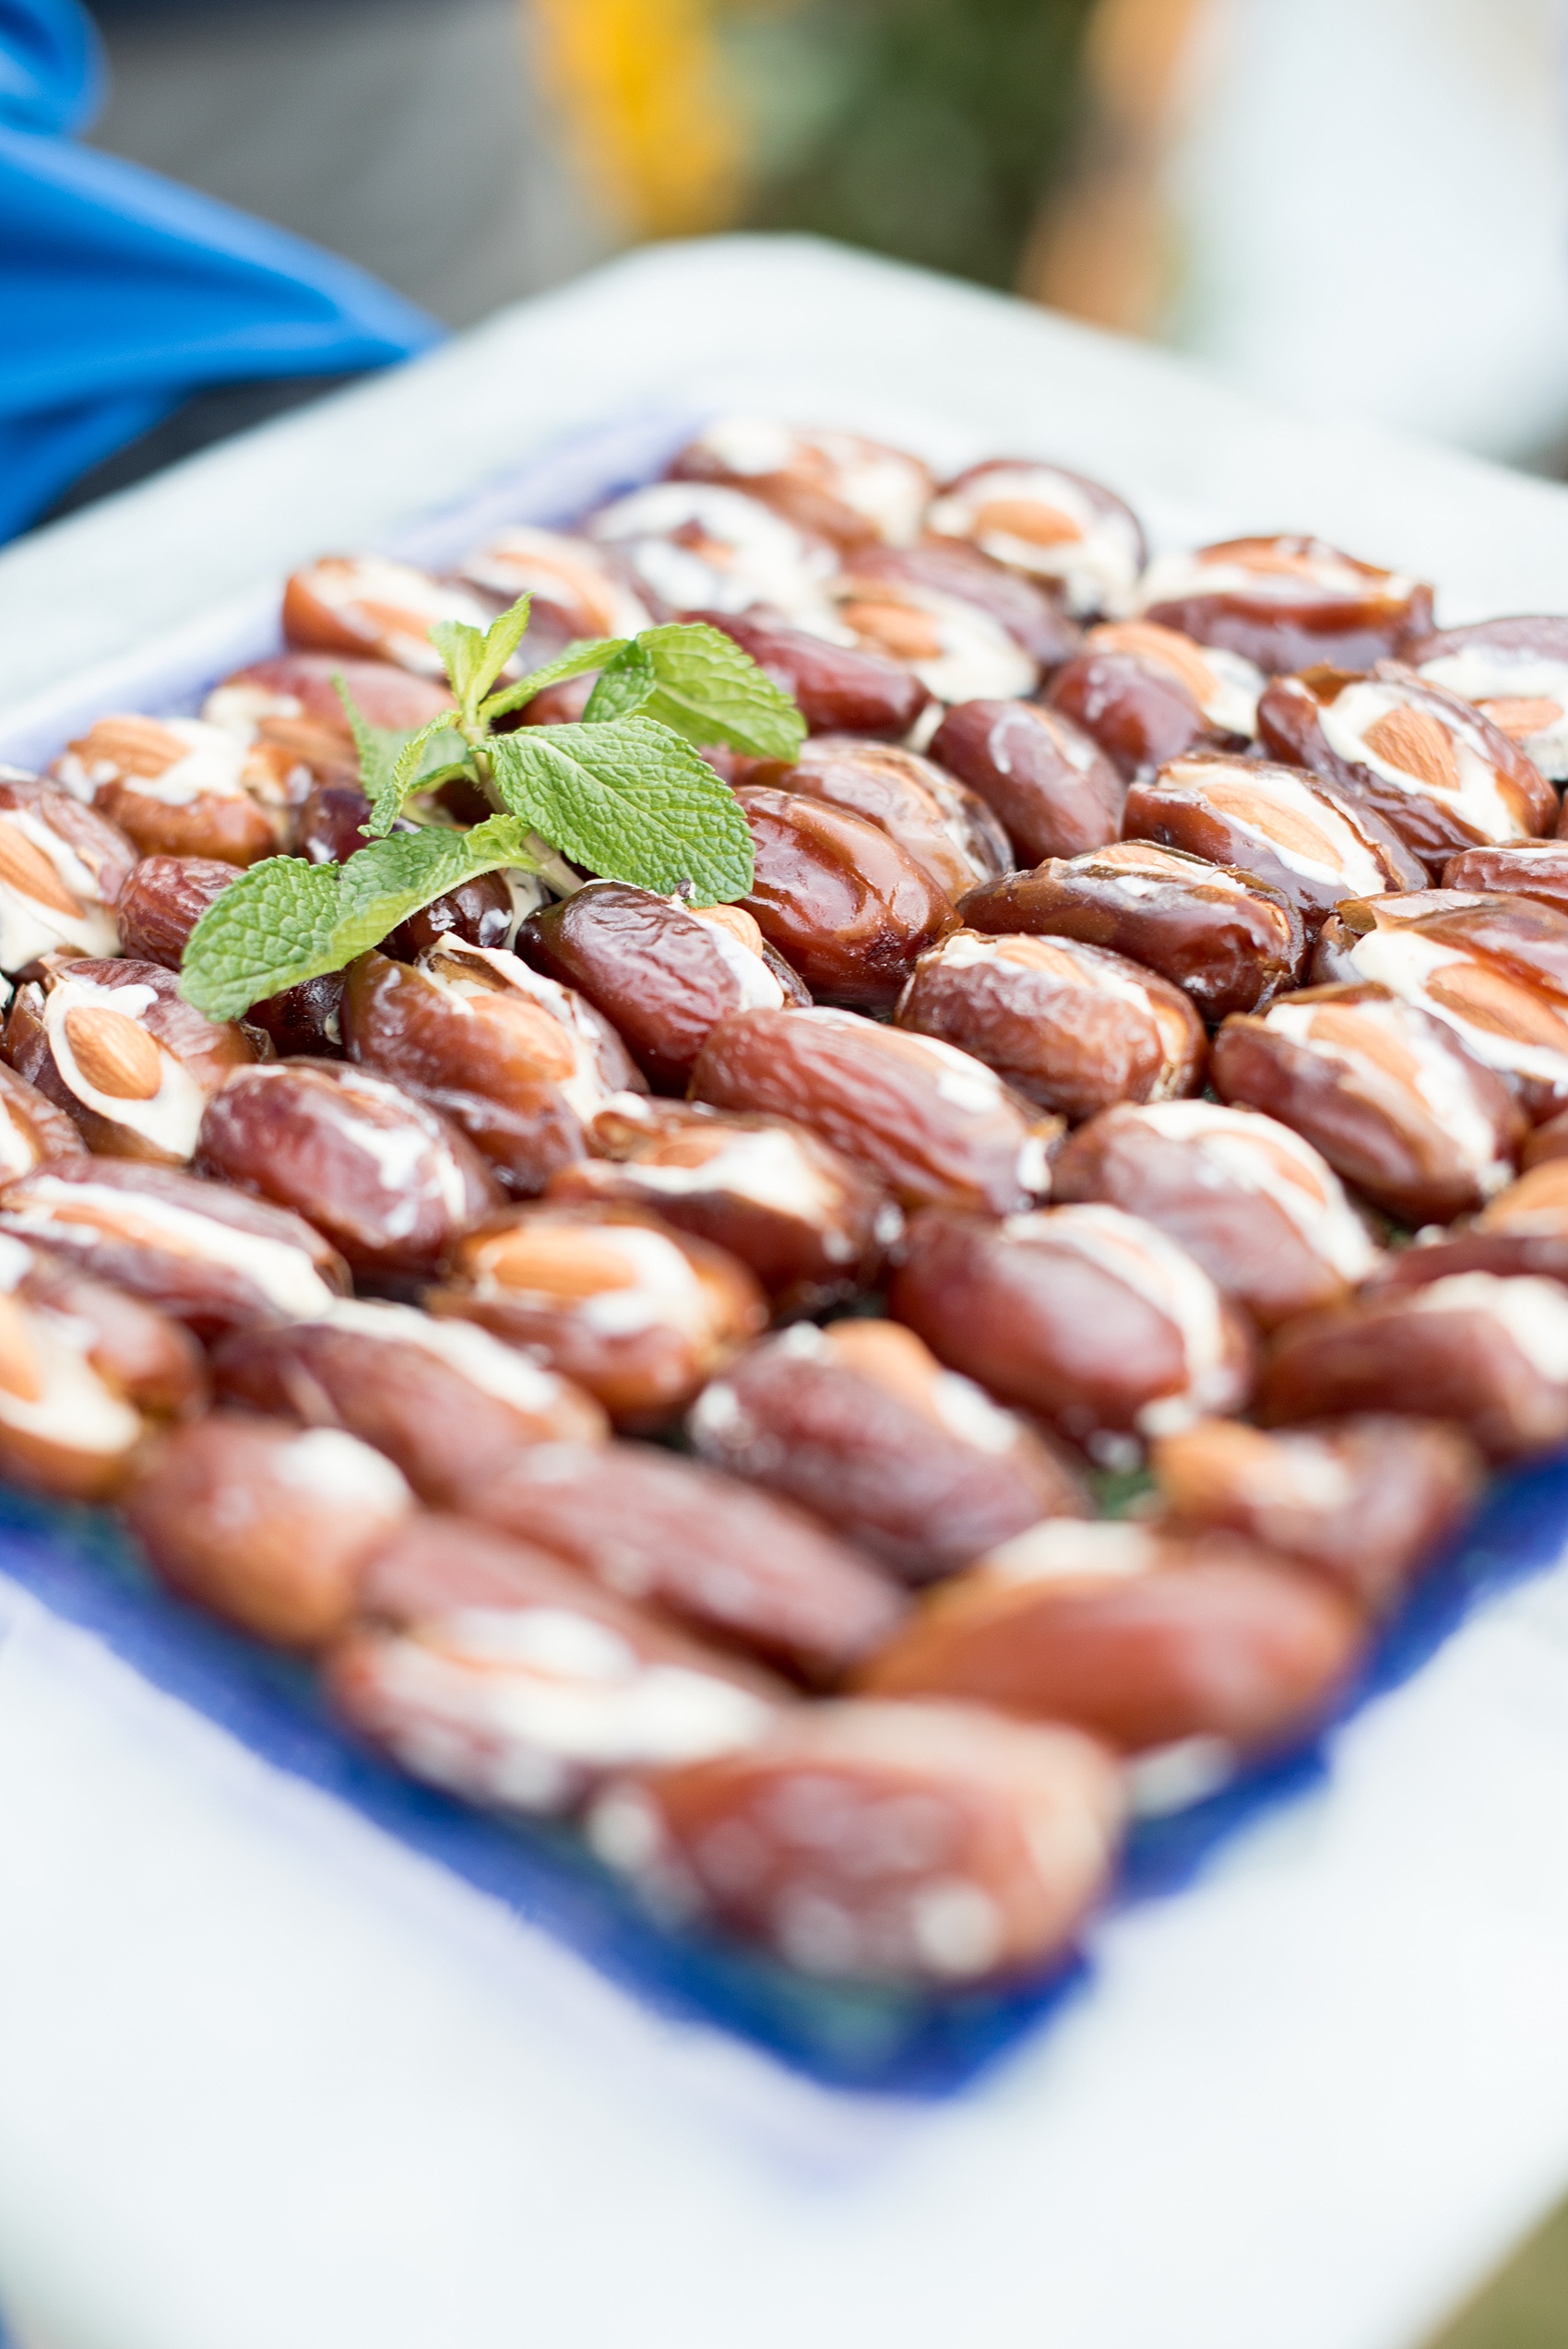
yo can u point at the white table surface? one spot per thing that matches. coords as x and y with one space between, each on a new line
267 2077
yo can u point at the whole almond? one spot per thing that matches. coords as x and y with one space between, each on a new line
1413 741
1024 517
112 1053
20 1373
24 868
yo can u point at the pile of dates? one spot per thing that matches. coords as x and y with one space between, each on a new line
660 1360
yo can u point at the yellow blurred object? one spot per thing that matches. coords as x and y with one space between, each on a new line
656 122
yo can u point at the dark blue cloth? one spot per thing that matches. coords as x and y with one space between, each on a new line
122 292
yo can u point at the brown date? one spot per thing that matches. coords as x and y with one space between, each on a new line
611 1297
1388 1094
1536 869
1515 671
1286 602
1228 940
1073 1027
936 1125
728 1561
447 1402
838 689
1487 1352
1145 1638
943 826
1522 1229
663 973
1257 1206
1049 524
956 645
1364 1501
861 1424
264 1524
1052 788
482 911
940 575
1093 1319
31 1128
486 1666
62 869
698 546
841 901
1437 772
812 1224
1146 695
304 1022
387 1181
579 589
519 1063
1290 829
891 1843
273 699
369 606
116 1045
163 902
204 1255
179 787
837 485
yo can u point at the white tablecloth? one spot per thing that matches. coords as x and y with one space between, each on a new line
267 2077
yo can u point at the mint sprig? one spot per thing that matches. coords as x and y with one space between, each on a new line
623 794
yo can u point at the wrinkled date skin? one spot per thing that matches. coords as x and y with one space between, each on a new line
447 1402
725 1560
179 787
1258 1207
1488 1353
1536 869
1364 1501
208 1255
611 1297
1437 772
942 826
1146 694
1055 525
1017 1829
663 973
1228 940
31 1128
163 902
956 574
1286 602
1073 1027
838 689
811 1225
859 1422
1050 787
264 1525
1494 969
519 1064
938 1126
838 485
1523 1230
1290 830
304 1022
486 1666
1515 671
1388 1094
79 1365
389 1183
1091 1318
1143 1638
840 899
116 1045
62 869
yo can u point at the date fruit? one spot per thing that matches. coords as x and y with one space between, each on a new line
951 618
1146 694
390 1183
62 869
1257 1206
163 902
611 1297
920 1843
1536 869
1051 524
945 828
571 582
838 899
264 1525
1072 1027
861 1424
727 1561
179 787
1286 602
696 545
936 1125
31 1128
1093 1319
369 606
1053 788
836 485
838 689
1515 671
1146 1639
1364 1501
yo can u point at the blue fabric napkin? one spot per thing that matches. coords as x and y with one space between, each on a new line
122 292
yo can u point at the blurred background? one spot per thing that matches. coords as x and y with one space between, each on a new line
1390 241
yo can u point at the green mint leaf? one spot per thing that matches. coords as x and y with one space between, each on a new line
285 920
626 685
436 752
475 659
379 747
712 692
629 800
587 652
